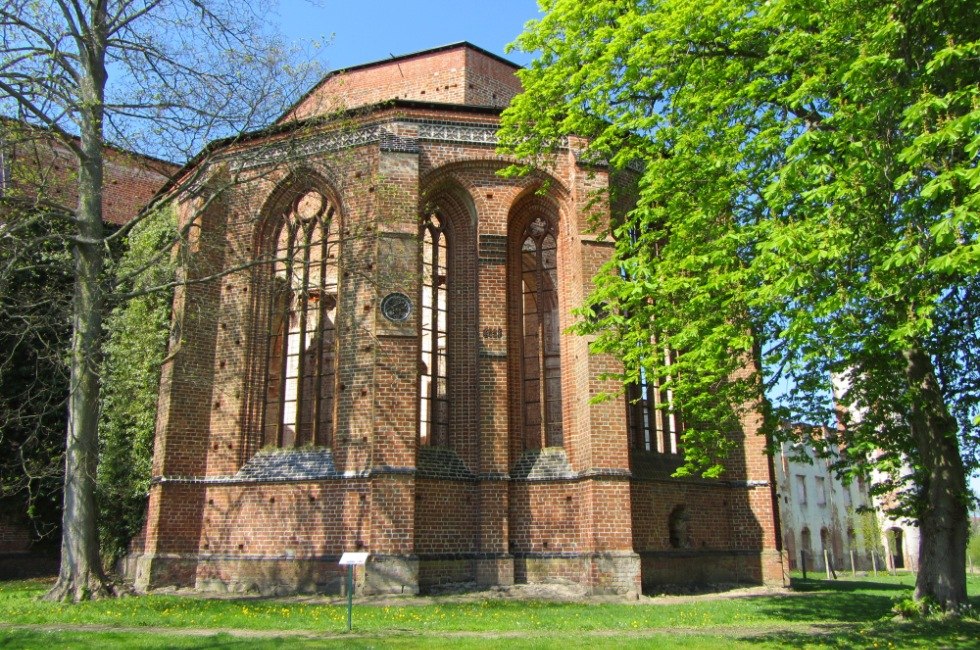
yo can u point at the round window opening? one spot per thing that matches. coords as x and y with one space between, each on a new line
396 307
310 205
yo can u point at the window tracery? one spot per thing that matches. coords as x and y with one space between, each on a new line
541 349
434 365
654 424
298 405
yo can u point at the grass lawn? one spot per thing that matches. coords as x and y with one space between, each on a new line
819 613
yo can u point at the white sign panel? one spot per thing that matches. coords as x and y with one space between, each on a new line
353 558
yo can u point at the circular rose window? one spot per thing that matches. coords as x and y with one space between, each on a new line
396 307
310 205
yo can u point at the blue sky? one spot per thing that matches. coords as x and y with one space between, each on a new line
369 30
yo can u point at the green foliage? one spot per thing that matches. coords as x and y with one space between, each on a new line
867 522
36 286
809 201
908 607
973 548
136 344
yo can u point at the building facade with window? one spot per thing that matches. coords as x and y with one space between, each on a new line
385 366
822 518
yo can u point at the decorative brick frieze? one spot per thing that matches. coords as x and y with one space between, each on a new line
462 133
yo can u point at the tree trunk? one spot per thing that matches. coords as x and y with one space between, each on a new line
81 576
943 521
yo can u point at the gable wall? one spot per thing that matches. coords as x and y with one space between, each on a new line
457 76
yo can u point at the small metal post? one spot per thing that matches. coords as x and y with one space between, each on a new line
350 594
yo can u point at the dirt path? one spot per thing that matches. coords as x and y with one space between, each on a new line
560 593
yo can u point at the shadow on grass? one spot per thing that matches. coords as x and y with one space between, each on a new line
863 610
839 601
803 585
953 634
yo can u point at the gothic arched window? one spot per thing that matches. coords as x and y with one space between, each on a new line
434 366
654 425
540 356
298 404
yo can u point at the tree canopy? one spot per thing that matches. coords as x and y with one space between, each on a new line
809 203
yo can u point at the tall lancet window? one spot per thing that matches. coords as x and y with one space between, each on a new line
300 369
541 360
654 425
433 375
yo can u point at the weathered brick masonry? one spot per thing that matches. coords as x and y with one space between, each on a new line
414 393
37 166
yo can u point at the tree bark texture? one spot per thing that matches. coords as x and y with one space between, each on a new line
81 576
943 522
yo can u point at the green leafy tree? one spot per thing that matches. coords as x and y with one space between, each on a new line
866 520
809 204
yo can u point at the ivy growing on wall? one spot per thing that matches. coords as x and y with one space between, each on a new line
136 345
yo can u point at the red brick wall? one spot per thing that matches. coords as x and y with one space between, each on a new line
15 536
488 81
447 515
276 520
41 167
479 522
450 76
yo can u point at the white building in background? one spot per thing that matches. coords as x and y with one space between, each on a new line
821 517
899 536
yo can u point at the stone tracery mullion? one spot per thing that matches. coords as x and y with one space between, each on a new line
441 316
434 335
287 298
542 368
545 429
317 434
433 412
302 305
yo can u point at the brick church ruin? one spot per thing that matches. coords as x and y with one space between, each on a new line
400 380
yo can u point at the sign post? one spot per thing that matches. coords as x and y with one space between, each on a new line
350 560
